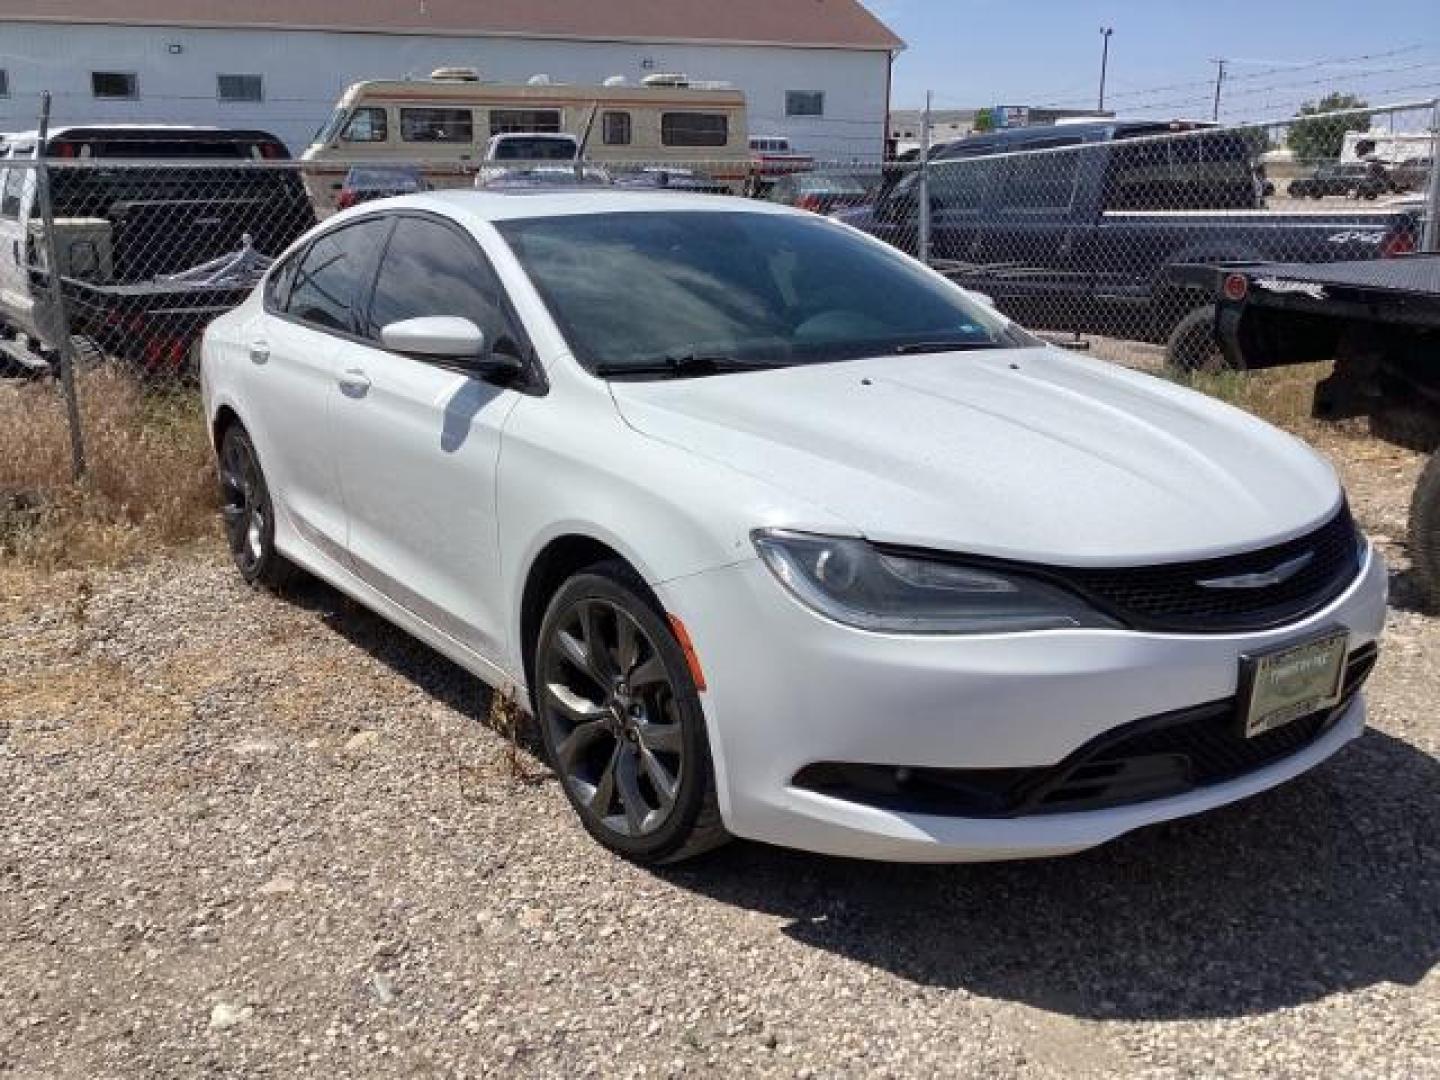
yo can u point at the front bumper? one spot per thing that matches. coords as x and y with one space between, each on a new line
788 689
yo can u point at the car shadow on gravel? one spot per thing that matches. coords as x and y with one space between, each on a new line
440 678
1328 884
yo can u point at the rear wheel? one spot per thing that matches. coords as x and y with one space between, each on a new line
621 720
1192 345
248 513
1425 529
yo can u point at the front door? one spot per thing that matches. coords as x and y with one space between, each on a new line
419 443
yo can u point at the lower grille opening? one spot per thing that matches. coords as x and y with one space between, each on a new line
1151 758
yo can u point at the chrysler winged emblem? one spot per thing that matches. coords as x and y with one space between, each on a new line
1262 579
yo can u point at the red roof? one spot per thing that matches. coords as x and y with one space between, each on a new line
809 23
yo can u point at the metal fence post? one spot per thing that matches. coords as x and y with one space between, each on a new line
1432 200
60 320
922 245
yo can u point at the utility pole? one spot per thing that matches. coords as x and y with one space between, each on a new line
1105 32
1219 81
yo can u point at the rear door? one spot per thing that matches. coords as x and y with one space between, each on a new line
418 443
313 306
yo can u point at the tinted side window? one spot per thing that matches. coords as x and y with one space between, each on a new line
277 285
1039 181
430 269
959 184
332 276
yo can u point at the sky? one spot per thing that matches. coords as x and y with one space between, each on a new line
1027 52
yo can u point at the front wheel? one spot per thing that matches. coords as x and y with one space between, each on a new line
621 721
1425 529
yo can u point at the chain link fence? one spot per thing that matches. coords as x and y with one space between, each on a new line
110 269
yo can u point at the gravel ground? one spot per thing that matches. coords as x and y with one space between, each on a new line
260 836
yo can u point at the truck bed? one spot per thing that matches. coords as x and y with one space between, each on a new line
1414 275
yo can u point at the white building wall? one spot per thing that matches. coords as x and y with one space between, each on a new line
305 71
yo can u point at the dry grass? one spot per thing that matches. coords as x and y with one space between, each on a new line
151 482
1280 395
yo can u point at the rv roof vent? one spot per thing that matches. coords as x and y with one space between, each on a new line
539 80
666 79
617 80
455 74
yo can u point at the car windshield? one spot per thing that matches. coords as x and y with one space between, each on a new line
640 289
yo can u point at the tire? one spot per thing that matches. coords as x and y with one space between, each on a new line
1192 347
620 719
1425 530
1413 427
249 514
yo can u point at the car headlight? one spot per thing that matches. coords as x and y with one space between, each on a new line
854 583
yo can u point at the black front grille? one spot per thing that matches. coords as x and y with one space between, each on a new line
1160 755
1169 597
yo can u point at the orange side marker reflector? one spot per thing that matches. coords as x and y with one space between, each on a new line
688 648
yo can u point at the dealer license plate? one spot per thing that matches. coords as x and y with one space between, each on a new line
1282 686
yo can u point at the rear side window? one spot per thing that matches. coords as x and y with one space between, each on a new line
333 275
437 125
1042 181
277 285
367 125
430 269
694 129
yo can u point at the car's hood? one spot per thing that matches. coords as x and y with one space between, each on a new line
1029 454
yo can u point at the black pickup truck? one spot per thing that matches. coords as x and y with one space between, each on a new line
1075 227
137 209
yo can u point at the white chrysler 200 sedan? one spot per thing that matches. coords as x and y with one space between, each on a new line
781 535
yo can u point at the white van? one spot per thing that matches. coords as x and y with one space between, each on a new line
445 122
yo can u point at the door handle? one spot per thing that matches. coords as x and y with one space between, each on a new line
259 352
354 382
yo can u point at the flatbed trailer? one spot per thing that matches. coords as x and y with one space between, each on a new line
1379 321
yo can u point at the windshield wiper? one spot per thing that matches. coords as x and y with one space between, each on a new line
909 347
683 366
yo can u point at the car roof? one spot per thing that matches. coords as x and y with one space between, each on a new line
499 204
1085 132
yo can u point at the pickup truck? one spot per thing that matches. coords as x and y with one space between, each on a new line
1075 227
137 209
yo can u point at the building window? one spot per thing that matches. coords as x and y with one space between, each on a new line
694 129
505 121
239 88
804 103
437 125
4 83
367 125
616 128
115 84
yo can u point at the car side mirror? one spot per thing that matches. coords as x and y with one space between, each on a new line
453 341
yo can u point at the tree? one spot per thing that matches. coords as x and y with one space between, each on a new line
984 120
1316 140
